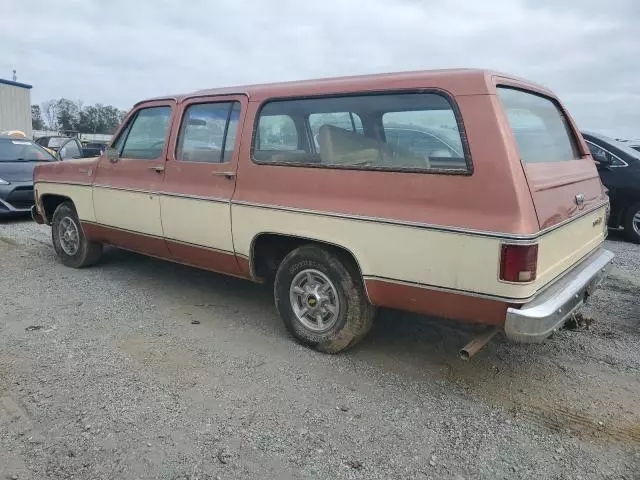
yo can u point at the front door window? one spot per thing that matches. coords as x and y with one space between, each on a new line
147 134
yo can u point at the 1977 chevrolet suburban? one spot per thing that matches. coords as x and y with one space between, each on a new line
463 194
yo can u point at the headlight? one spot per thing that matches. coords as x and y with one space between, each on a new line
4 182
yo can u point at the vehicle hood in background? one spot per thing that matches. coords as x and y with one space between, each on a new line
18 171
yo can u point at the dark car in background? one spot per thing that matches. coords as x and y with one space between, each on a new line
18 157
93 149
619 167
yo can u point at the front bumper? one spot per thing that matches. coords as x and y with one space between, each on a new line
536 320
16 198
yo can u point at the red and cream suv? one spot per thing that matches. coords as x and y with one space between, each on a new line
463 194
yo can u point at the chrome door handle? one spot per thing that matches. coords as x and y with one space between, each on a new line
228 175
157 169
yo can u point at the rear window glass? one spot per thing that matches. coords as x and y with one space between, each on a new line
399 131
539 126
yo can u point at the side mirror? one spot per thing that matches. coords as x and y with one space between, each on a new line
112 154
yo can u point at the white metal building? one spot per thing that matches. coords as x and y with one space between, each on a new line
15 106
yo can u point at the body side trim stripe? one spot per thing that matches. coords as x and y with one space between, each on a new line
168 239
427 226
81 184
163 193
442 228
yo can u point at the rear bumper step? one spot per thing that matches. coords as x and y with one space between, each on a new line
536 320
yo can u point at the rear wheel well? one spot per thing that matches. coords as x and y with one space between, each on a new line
269 249
49 204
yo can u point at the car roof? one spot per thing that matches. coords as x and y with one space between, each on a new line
10 137
456 81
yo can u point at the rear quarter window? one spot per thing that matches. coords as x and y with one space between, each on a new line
539 126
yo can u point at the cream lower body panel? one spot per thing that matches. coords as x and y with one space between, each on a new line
128 210
80 195
566 246
405 253
444 260
197 221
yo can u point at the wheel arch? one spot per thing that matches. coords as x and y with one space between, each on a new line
49 203
268 249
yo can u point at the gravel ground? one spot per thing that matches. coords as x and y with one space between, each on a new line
106 374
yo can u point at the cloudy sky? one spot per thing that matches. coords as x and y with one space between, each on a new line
121 51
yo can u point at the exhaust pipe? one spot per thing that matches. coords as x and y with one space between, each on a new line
477 342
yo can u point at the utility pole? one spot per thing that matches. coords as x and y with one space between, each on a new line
15 77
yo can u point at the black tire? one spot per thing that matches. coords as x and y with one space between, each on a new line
355 314
87 252
629 230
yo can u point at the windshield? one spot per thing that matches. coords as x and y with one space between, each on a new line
22 150
619 145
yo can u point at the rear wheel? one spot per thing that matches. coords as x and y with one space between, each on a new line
321 299
632 223
69 241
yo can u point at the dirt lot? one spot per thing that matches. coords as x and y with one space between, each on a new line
103 375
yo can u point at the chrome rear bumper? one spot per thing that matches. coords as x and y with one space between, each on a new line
534 321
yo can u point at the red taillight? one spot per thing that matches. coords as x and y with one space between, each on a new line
518 263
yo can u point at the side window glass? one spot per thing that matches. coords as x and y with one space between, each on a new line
403 131
277 132
601 155
345 120
597 153
121 138
431 135
147 134
232 132
208 132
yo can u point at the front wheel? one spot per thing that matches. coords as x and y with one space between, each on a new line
69 241
632 223
321 299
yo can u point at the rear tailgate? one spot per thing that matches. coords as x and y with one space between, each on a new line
565 187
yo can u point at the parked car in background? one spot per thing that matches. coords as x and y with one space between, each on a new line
418 195
53 142
67 148
93 149
18 157
619 167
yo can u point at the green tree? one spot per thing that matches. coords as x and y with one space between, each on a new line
68 114
99 118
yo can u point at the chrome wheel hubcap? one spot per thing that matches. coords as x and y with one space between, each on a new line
636 223
69 236
314 300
